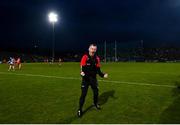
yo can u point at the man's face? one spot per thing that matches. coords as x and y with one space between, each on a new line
92 50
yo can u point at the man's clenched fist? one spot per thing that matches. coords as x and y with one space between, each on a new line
105 75
82 74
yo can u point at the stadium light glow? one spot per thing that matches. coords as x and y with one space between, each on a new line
53 17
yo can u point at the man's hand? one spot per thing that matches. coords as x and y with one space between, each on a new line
105 75
82 74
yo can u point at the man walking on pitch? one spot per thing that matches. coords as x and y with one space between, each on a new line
90 66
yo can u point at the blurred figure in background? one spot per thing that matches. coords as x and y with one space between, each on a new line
11 63
60 61
19 62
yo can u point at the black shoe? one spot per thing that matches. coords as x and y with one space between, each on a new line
97 106
79 113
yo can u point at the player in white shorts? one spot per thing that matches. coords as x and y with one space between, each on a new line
11 63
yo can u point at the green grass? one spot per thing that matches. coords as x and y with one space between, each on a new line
133 98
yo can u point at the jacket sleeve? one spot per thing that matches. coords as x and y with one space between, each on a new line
83 63
98 67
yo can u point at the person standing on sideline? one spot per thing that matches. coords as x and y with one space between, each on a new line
90 67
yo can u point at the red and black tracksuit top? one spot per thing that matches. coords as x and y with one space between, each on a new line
91 67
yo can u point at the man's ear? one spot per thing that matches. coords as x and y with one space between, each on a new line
89 49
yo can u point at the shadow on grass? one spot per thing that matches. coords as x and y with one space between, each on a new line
103 98
171 115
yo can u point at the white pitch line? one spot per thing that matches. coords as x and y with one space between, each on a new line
165 73
138 83
73 78
37 75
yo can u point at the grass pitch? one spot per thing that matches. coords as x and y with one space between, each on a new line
133 93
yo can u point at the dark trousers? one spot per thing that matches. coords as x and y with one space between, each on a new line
84 88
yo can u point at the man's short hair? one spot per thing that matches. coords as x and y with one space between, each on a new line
93 44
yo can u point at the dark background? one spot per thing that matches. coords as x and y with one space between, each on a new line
24 23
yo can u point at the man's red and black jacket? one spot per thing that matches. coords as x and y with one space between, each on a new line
91 66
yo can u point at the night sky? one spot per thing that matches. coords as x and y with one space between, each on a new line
24 23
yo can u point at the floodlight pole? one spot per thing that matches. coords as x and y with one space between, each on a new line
53 19
53 42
